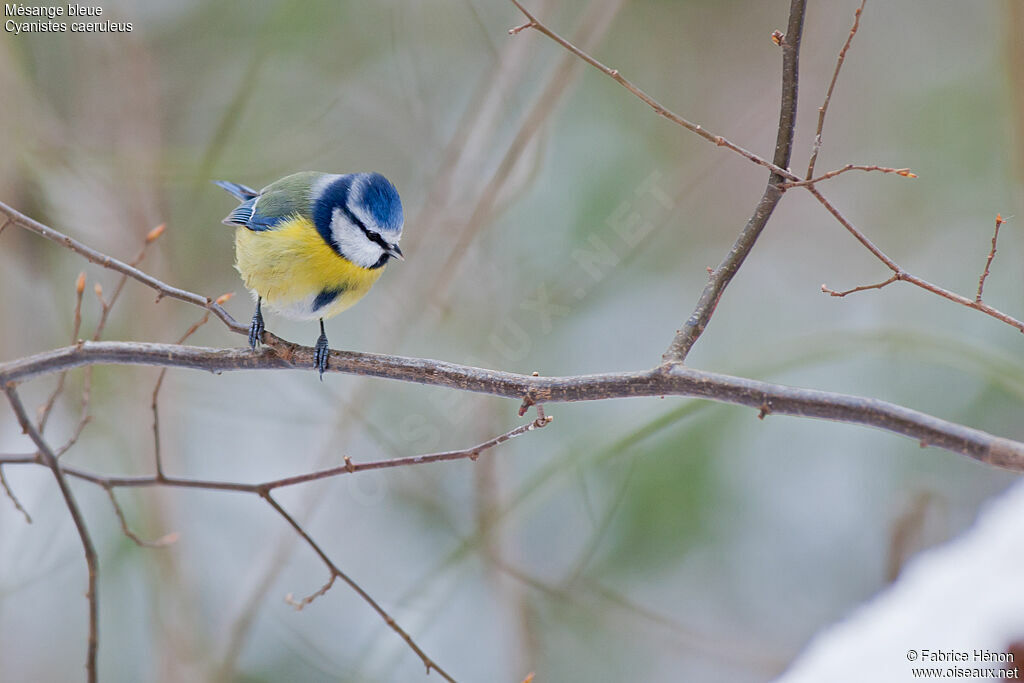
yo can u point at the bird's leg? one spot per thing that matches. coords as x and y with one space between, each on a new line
256 326
322 351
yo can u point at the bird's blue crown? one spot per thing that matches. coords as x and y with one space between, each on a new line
380 199
368 200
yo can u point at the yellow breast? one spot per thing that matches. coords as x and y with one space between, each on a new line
297 273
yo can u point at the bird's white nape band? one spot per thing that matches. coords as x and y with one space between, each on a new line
321 184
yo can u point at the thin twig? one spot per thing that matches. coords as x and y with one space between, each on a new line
105 308
664 380
301 603
898 273
904 172
267 486
904 276
858 235
44 412
91 561
823 109
161 542
158 461
429 663
988 261
877 285
351 467
112 263
14 499
720 278
83 419
83 414
659 109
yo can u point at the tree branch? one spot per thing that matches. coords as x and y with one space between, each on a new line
720 278
50 460
860 288
904 172
658 108
76 326
14 499
264 490
665 380
903 276
109 483
671 378
111 263
163 541
823 109
988 261
336 572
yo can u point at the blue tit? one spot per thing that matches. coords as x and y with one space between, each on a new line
312 244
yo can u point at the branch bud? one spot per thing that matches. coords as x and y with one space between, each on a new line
155 233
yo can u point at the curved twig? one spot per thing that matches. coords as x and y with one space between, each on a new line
91 561
17 218
721 276
658 108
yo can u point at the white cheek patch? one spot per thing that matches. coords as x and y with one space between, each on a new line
353 243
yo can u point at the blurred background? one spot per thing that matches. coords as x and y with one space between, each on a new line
554 224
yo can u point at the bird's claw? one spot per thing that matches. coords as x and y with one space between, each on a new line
320 355
256 330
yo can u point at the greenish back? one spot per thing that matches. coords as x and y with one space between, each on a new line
287 197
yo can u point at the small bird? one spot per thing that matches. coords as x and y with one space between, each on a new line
311 244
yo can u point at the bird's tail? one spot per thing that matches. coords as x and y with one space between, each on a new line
240 192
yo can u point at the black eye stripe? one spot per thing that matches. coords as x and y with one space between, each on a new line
374 237
370 235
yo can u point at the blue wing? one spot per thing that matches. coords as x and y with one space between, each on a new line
237 190
241 215
273 204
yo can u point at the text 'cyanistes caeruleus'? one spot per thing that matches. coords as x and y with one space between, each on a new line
312 244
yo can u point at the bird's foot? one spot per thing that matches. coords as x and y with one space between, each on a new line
256 330
320 355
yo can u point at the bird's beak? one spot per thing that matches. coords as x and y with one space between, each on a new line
393 250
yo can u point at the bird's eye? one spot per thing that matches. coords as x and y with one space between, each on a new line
377 239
